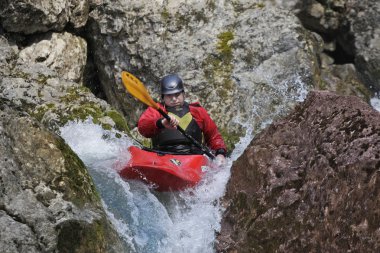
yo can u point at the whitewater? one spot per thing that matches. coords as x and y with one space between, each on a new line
147 220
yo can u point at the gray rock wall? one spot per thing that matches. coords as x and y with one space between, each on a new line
226 53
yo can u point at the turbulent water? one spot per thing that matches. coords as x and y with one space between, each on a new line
147 220
375 102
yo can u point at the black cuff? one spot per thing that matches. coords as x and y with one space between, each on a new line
159 123
220 151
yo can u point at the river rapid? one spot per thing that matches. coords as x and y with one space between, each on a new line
151 221
147 220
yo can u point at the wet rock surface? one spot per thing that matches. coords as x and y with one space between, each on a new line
48 202
309 182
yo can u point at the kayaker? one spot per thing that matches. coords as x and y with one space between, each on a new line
193 118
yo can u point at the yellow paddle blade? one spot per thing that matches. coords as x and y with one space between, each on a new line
137 89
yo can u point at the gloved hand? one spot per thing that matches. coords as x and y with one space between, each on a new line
173 123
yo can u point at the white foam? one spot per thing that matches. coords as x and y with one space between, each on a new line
375 102
148 221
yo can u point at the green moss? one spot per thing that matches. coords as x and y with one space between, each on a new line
223 46
239 7
218 68
85 110
75 180
182 20
120 122
74 93
322 85
165 14
22 75
42 79
39 111
230 139
260 5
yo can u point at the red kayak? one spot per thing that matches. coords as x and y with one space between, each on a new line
166 172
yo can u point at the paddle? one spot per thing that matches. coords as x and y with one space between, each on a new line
138 90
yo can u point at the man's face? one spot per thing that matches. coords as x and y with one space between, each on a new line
173 100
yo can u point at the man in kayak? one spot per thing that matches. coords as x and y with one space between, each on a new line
193 118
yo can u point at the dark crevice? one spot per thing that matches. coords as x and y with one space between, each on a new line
339 54
90 76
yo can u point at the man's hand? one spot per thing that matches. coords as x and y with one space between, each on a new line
173 123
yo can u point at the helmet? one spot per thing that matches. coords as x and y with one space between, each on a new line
171 84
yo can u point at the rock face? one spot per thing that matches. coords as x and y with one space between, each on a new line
48 202
227 53
308 183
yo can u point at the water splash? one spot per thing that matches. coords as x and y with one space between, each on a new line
148 221
375 102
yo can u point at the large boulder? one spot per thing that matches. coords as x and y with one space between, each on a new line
64 53
30 17
48 202
308 183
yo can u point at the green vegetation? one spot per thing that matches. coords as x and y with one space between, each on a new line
75 105
218 68
42 79
120 122
75 181
223 45
165 15
260 5
230 138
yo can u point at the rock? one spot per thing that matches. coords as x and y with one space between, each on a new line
42 79
344 79
30 17
364 37
354 25
308 182
48 202
8 56
63 53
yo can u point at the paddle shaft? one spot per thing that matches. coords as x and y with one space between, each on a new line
195 142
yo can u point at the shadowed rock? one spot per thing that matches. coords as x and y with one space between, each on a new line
309 182
30 17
